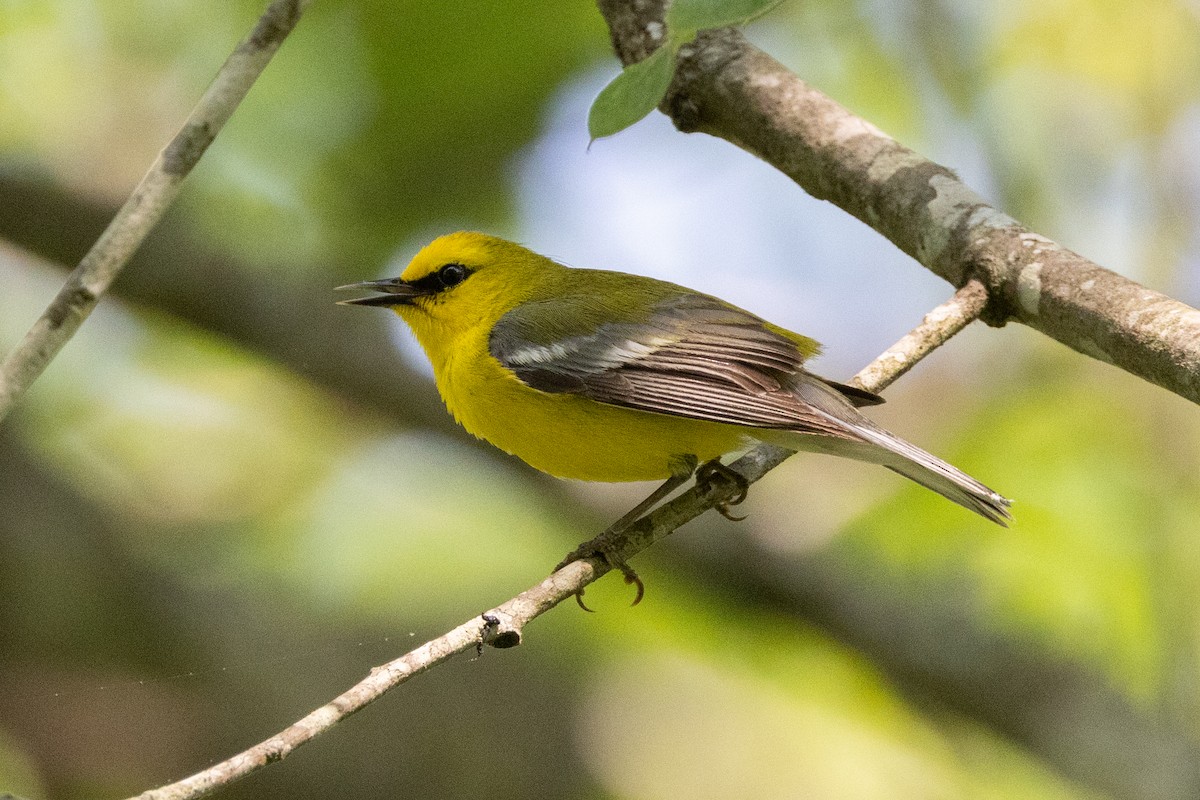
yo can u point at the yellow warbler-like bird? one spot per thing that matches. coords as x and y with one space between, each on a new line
605 376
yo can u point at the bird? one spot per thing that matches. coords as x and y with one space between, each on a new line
598 375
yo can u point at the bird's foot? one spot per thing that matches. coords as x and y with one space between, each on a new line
604 546
710 474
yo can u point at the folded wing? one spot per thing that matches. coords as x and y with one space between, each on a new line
693 356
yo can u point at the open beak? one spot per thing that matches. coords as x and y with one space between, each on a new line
395 292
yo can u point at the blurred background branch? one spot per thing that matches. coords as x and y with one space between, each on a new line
146 205
180 274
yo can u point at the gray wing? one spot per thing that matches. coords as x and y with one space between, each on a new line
694 356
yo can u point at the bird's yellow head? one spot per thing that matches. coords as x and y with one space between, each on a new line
458 283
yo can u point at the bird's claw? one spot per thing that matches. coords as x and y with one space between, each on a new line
597 547
710 473
723 510
632 579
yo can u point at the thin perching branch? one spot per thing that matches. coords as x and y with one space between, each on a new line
503 626
146 205
727 87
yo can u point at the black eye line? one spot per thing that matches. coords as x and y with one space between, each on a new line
432 283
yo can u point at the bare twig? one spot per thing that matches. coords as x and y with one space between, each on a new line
503 626
935 329
150 199
726 87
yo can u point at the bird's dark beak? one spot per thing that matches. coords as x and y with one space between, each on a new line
395 293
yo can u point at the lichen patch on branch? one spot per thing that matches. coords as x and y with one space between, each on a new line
1029 288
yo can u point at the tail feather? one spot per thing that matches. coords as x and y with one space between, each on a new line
866 441
931 472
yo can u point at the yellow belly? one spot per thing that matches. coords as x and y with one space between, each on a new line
570 436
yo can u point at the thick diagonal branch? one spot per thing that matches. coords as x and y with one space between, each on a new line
726 87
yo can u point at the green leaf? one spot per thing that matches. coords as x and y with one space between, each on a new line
633 94
686 16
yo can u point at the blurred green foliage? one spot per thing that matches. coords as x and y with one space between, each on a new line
202 541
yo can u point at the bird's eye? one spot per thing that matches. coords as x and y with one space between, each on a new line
452 275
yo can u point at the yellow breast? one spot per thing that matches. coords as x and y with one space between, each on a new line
566 435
